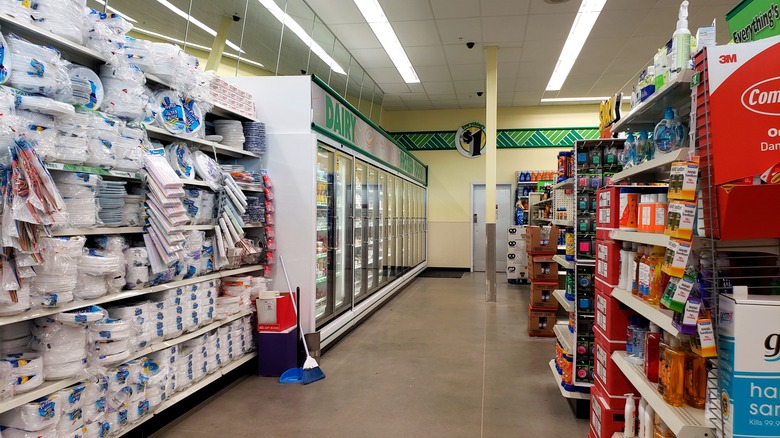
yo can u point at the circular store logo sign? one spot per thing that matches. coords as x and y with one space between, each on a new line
470 140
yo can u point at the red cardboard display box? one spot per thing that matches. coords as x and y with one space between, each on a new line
605 418
534 243
608 374
739 88
543 269
541 322
608 261
542 296
608 207
611 315
275 314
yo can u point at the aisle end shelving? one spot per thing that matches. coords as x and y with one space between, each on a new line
661 163
656 239
663 318
560 295
564 336
566 264
564 392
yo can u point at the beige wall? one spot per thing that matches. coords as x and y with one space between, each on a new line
450 175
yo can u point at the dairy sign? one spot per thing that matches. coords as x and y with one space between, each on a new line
332 115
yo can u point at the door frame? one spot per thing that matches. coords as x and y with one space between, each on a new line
471 217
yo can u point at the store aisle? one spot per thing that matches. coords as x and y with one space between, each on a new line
434 362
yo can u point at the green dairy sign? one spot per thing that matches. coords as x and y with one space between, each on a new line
753 20
335 117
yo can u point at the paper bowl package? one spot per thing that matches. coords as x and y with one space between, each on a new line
34 416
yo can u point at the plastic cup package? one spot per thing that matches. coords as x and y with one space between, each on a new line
34 416
255 140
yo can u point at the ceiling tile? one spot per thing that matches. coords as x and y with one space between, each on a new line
507 70
509 54
438 88
434 73
455 8
459 54
406 10
499 8
537 51
414 97
385 76
426 55
549 27
466 87
395 88
468 72
417 33
496 30
356 36
542 7
460 31
346 13
416 88
372 58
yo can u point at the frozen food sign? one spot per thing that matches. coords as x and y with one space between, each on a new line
331 115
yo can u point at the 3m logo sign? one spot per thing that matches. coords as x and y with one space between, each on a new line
728 59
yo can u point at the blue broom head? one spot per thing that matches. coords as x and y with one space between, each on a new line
312 375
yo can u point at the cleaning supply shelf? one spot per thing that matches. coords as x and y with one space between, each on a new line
564 336
650 170
566 264
656 239
567 304
663 318
684 421
50 387
675 94
564 392
37 313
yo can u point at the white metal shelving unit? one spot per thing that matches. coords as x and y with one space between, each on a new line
564 336
657 239
676 94
564 392
560 295
663 318
650 170
566 264
683 421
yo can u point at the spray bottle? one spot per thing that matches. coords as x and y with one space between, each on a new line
681 41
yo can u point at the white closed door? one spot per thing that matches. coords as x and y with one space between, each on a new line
504 213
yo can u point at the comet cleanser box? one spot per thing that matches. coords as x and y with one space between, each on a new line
749 344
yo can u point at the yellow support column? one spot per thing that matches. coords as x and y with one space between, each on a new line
215 57
491 103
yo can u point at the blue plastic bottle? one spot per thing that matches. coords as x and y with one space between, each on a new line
628 157
669 134
644 149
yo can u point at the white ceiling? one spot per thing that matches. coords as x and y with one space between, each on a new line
530 35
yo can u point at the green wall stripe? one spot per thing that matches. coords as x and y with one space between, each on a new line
506 138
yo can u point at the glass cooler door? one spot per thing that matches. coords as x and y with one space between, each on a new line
323 307
390 229
372 238
341 248
380 220
360 245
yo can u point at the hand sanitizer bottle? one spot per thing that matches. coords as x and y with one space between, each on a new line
681 41
669 134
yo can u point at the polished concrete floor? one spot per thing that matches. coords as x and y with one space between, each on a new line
436 361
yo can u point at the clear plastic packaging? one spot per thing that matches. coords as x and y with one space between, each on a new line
61 17
111 329
65 370
52 300
19 433
34 416
171 113
82 316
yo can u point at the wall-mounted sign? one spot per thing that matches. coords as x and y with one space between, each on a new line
470 140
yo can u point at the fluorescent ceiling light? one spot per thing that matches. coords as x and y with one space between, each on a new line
376 18
583 24
109 8
578 99
197 46
288 21
197 22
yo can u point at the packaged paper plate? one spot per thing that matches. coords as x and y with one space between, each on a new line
11 432
34 416
65 370
193 116
71 398
111 329
95 87
207 169
81 316
180 158
171 113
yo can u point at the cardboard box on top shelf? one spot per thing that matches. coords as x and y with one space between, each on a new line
541 322
542 296
543 269
542 240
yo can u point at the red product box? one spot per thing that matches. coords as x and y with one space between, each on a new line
608 207
611 315
605 418
275 314
608 261
613 381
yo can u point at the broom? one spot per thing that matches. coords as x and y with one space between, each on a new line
311 371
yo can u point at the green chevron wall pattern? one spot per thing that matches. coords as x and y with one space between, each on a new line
507 138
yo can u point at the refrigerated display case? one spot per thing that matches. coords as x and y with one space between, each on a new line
349 223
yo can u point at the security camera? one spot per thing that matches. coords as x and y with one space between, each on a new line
303 72
236 18
479 93
470 44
